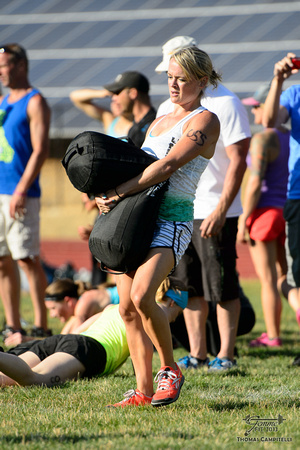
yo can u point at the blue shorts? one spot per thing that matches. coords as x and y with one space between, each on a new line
174 235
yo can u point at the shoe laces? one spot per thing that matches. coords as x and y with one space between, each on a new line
164 378
215 362
128 399
185 361
129 394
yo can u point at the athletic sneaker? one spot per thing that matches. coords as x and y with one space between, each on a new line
8 331
132 398
40 332
264 341
169 385
190 362
221 364
296 361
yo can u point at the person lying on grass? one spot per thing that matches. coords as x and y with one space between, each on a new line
73 302
99 349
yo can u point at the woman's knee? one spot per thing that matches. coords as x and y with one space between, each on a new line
128 314
28 264
141 299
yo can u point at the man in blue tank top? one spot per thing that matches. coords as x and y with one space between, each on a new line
24 146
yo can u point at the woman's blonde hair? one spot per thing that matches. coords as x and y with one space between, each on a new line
172 288
65 287
196 64
161 291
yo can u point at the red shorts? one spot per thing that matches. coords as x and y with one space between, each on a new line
267 224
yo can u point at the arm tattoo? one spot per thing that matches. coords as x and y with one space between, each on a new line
197 136
55 379
258 163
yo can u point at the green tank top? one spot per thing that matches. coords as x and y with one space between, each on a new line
109 331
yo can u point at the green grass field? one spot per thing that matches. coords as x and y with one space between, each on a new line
211 412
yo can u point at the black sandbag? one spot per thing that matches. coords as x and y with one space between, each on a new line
95 162
120 239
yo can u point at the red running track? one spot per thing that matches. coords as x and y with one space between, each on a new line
57 253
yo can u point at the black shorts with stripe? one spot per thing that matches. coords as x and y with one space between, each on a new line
84 348
208 267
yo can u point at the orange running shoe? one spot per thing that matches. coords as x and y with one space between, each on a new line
132 398
169 385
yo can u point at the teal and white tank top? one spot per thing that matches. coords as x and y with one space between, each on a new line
178 202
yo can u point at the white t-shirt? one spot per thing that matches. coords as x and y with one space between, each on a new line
235 127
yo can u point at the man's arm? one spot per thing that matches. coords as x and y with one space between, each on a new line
39 122
237 153
83 100
273 111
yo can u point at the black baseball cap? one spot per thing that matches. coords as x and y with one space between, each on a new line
128 80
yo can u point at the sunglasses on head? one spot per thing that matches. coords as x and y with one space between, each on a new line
17 54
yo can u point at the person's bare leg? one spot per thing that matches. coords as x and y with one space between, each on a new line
264 257
228 314
146 324
53 370
140 346
10 291
281 270
145 284
298 310
37 284
30 358
293 298
291 294
195 316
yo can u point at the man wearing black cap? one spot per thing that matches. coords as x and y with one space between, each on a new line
131 91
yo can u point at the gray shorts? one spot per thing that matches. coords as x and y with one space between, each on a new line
174 235
20 238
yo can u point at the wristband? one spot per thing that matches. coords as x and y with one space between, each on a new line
22 194
118 194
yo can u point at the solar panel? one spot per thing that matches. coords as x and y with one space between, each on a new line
73 44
